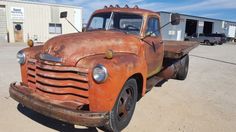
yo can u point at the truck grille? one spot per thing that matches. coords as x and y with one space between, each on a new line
59 82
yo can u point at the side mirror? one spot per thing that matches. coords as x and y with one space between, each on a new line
175 19
63 14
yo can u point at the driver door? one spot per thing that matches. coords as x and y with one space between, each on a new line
154 49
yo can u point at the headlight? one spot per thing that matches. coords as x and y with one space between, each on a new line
21 57
100 73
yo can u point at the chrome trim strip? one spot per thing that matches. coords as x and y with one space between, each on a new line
49 57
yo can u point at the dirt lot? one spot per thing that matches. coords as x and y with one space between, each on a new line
204 102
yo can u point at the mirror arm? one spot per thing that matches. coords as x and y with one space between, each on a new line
165 25
72 25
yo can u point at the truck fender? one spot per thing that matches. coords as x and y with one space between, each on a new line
120 68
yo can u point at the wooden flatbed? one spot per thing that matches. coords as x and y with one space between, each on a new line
178 49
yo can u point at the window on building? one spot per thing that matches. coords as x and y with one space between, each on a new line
55 28
153 27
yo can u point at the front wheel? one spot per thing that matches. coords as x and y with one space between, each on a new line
123 110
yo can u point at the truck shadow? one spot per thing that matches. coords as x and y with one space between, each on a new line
52 123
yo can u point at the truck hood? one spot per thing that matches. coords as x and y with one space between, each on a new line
71 48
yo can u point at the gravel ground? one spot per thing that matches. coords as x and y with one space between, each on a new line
204 102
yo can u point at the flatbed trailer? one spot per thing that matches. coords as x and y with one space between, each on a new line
178 49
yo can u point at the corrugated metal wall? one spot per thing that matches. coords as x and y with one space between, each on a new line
55 14
37 18
171 32
3 24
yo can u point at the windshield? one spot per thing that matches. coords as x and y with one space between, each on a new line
125 22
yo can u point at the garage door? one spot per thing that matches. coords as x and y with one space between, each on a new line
3 24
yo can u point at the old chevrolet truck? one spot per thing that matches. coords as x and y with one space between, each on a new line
94 78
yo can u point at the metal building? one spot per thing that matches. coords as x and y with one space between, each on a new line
21 20
194 24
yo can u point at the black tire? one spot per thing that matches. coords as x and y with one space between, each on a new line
207 42
183 70
123 109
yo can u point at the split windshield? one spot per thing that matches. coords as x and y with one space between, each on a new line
124 22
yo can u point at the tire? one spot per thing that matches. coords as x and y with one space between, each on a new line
207 42
220 43
183 70
123 109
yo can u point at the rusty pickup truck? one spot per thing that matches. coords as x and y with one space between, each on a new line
94 78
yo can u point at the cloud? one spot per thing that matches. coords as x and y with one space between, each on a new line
206 5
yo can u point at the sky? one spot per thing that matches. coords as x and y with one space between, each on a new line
219 9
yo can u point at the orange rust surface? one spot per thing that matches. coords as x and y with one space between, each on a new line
71 79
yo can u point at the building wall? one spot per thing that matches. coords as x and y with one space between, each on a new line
37 18
171 32
177 32
3 24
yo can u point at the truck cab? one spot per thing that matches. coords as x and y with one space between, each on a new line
95 78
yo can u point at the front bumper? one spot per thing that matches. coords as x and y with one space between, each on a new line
30 99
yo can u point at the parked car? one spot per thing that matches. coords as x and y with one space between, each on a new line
202 38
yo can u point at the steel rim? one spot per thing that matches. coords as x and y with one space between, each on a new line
125 104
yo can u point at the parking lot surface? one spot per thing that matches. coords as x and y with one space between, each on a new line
204 102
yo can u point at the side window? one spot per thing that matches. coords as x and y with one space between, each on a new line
153 27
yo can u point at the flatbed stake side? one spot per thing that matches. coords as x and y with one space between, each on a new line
94 78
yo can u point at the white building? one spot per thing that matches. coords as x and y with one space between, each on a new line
21 20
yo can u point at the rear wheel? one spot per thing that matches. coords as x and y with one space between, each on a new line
207 42
183 70
123 110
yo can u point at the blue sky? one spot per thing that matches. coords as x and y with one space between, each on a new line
220 9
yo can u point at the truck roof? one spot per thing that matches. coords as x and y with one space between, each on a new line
135 10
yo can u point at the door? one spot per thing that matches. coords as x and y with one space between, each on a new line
18 31
179 32
153 46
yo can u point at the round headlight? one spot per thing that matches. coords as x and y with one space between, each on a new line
100 73
21 57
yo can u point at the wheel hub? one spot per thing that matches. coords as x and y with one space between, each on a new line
125 104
